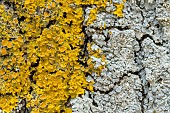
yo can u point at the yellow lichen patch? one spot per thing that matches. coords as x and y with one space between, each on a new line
119 10
40 53
92 16
8 100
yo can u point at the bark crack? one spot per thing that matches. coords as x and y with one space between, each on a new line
142 73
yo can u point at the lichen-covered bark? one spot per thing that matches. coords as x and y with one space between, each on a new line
136 78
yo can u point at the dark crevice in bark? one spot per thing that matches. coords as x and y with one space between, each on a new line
35 64
142 17
31 76
118 82
145 87
31 89
68 104
83 55
149 36
93 101
51 22
87 39
24 109
111 89
64 14
120 28
120 79
22 32
107 39
134 73
142 73
22 18
32 73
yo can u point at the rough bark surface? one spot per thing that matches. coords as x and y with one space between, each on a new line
137 48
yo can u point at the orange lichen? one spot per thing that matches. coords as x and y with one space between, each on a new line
4 42
3 51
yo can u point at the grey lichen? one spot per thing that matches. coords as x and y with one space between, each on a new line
137 49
